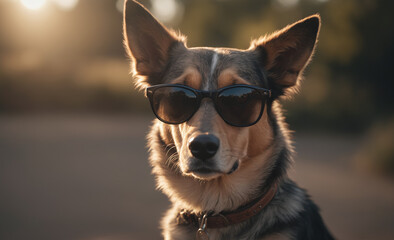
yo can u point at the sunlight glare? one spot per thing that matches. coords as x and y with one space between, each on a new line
33 4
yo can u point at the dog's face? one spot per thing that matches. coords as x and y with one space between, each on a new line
206 146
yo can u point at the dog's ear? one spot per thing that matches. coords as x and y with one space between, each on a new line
147 42
285 54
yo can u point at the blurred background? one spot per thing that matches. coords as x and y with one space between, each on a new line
73 162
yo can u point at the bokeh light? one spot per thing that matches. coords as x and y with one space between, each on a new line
288 3
165 10
66 4
33 4
120 5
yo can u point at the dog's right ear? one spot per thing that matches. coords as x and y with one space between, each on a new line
147 42
286 53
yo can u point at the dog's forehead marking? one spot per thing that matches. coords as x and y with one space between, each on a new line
209 79
208 84
214 62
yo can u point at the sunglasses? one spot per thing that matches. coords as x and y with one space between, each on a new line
238 105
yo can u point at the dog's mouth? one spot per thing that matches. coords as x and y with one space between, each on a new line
204 171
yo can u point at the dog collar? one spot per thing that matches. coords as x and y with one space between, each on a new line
225 219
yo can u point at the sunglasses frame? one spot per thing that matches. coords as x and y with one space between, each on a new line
201 94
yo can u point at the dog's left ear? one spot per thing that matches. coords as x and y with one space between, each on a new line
285 54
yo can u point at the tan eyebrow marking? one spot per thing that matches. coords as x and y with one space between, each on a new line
229 77
190 77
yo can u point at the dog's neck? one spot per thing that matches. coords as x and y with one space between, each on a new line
225 219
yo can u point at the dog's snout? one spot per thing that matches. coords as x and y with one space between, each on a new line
204 146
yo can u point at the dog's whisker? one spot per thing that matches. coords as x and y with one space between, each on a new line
172 160
170 148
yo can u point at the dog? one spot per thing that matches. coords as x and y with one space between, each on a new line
220 148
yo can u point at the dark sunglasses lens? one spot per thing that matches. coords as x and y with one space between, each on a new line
240 106
174 104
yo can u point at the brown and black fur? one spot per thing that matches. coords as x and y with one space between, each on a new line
263 151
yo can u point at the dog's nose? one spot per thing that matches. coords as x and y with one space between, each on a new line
204 146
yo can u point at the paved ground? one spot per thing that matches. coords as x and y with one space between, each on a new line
87 178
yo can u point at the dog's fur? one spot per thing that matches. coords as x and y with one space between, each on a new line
263 150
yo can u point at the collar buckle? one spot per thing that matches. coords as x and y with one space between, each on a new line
202 233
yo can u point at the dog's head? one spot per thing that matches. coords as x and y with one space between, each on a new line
206 145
